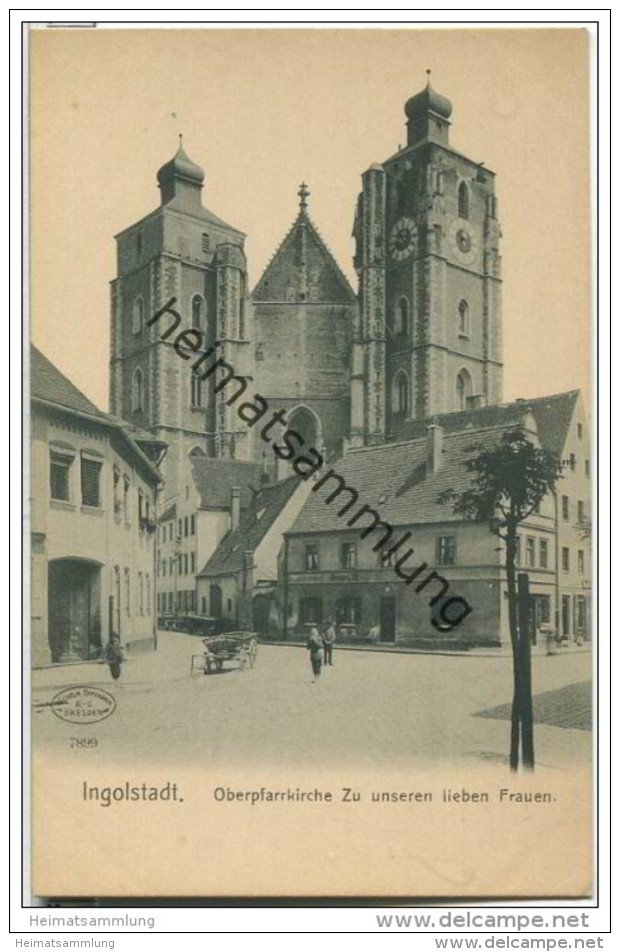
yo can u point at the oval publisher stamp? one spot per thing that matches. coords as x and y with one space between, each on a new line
83 704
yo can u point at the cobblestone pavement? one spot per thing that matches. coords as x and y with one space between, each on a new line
568 707
369 709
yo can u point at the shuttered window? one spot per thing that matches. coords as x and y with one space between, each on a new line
90 478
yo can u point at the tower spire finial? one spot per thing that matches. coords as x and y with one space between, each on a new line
303 195
428 73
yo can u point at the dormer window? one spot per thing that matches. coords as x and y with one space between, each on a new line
206 243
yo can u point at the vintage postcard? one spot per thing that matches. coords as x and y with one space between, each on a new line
311 471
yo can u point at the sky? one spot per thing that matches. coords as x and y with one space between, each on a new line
263 109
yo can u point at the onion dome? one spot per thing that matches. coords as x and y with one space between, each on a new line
428 101
181 167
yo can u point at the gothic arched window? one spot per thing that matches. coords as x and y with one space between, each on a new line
463 389
463 201
401 394
463 319
138 315
199 312
401 320
137 390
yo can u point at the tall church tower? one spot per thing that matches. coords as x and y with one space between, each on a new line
428 333
183 251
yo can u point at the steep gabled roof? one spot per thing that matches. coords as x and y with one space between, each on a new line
303 269
394 478
49 384
253 526
214 479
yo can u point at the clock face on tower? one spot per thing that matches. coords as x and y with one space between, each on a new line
463 241
401 241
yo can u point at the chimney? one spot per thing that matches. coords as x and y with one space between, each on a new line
434 448
235 507
476 402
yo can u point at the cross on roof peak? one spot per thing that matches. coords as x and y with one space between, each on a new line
303 195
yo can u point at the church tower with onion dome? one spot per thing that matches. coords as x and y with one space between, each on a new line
180 251
428 335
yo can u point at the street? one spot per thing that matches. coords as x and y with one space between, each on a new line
370 708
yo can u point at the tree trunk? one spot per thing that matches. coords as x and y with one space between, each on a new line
527 714
511 578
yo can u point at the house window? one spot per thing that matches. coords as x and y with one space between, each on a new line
310 611
137 391
198 312
581 565
179 564
587 468
565 508
127 593
163 567
312 556
530 552
542 609
572 461
90 480
463 201
348 555
463 319
565 559
401 318
140 593
566 615
185 527
193 525
170 601
138 315
446 550
206 244
581 511
185 563
580 614
193 563
60 464
543 553
180 528
148 593
579 431
348 611
171 565
126 485
386 558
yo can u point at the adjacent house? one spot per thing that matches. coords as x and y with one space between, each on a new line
240 580
336 568
93 521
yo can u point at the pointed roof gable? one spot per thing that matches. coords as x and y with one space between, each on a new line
303 269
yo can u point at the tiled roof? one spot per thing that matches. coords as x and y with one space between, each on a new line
303 259
214 479
552 414
49 384
393 478
255 522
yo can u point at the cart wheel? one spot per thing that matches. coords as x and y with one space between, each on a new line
252 652
198 665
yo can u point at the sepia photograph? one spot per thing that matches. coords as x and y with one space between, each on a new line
310 515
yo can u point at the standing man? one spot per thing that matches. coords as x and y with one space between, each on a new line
329 637
314 646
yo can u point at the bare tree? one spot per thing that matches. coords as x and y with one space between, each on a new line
508 481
